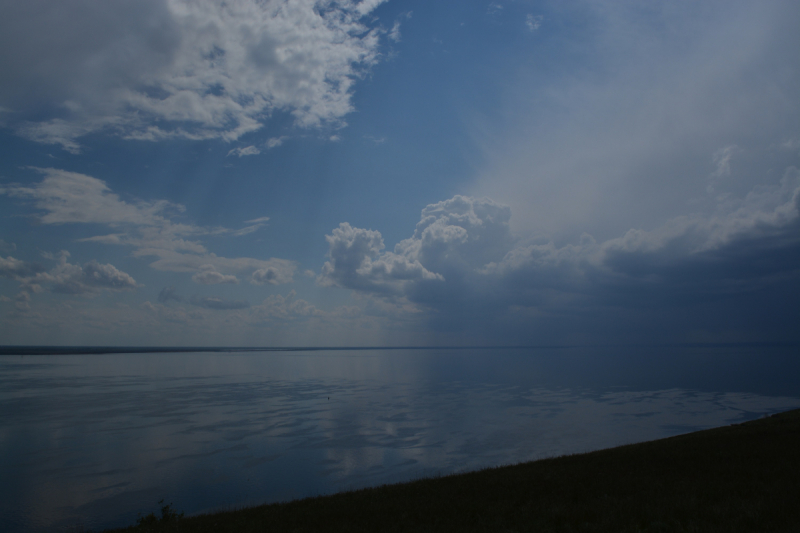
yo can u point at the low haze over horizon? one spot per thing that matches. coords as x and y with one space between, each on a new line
386 173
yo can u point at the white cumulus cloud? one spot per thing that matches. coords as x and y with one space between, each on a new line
356 261
193 69
65 277
453 237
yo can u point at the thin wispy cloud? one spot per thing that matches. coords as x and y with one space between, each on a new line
212 302
149 228
533 22
274 142
247 150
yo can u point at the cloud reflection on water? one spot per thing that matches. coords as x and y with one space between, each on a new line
93 440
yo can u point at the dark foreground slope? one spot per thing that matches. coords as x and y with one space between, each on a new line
736 478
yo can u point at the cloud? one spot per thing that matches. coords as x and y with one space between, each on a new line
494 8
533 22
174 316
255 225
453 238
459 233
15 269
356 261
722 161
621 132
274 142
247 230
160 69
289 307
273 276
175 261
73 279
464 269
65 277
148 227
722 165
22 302
218 303
169 293
208 275
274 308
70 197
394 33
241 152
791 144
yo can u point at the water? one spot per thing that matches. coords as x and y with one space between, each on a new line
92 441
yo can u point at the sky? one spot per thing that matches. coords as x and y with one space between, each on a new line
399 173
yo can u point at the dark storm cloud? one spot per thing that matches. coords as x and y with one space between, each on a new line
735 272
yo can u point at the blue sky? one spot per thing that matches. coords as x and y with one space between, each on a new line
399 173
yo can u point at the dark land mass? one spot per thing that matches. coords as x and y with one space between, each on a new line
744 477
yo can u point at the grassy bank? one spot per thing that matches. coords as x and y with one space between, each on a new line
736 478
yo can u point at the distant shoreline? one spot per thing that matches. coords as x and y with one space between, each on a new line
94 350
99 350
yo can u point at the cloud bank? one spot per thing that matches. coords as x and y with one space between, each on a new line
465 271
191 69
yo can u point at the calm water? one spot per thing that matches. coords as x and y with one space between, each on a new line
91 441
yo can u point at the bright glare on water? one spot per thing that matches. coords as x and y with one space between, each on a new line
92 441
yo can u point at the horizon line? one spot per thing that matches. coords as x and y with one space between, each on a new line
120 349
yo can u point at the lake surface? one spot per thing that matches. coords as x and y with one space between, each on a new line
92 441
